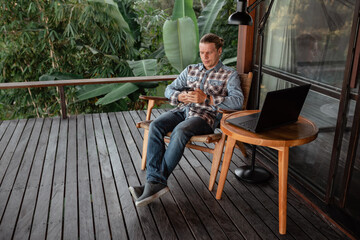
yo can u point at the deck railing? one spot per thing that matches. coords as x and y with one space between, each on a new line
74 82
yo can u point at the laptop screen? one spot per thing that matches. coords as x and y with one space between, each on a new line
282 107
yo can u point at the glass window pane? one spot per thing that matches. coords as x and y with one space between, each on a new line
309 38
311 162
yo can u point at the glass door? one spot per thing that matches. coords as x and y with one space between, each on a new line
306 41
344 175
317 42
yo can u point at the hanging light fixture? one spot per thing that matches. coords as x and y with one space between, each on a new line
252 173
241 16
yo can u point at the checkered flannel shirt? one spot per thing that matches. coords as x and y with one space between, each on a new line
220 82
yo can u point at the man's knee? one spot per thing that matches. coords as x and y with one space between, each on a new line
155 127
181 132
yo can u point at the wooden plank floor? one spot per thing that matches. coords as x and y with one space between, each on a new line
68 179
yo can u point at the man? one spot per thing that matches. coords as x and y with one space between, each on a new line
198 92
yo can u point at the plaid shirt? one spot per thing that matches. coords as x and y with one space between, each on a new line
220 82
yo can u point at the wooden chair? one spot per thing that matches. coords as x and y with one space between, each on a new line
217 138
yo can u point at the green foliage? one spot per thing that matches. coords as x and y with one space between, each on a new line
59 76
208 16
123 92
147 67
70 39
151 18
181 37
184 8
91 91
130 15
110 93
228 32
180 42
120 92
39 38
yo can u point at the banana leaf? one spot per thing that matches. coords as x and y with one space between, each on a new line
158 53
96 90
113 92
147 67
113 11
229 60
91 91
184 8
118 93
208 16
180 42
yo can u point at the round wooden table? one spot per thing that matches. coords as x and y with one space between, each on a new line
282 138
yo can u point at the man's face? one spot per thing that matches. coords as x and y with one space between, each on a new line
209 55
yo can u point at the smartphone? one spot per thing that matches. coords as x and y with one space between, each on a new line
188 89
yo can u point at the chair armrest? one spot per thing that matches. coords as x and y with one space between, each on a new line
153 98
152 101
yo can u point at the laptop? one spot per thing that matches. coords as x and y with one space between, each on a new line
280 107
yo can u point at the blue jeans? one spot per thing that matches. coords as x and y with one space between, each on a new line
160 162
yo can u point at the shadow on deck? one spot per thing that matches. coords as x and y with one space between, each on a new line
68 179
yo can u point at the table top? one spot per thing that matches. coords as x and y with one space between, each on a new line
301 132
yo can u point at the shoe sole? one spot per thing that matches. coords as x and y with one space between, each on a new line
150 199
133 193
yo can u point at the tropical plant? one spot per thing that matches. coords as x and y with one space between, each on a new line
64 39
209 15
180 48
44 37
114 92
148 19
184 8
181 33
229 32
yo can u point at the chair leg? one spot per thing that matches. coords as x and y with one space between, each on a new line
242 148
218 150
144 151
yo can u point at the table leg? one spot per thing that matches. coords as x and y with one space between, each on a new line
283 176
229 149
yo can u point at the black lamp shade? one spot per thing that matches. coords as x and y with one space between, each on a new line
240 17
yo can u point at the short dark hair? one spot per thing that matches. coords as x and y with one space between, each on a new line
213 38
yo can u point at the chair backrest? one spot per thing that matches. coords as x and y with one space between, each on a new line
246 79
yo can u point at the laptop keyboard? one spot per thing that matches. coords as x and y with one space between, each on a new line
249 124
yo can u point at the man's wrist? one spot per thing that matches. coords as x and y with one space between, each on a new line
177 96
208 99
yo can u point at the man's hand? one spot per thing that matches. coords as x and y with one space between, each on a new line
196 96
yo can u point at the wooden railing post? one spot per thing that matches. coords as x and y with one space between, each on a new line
62 102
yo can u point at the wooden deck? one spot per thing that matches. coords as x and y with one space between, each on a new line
68 179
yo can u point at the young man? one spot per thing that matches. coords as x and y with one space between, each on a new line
197 92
